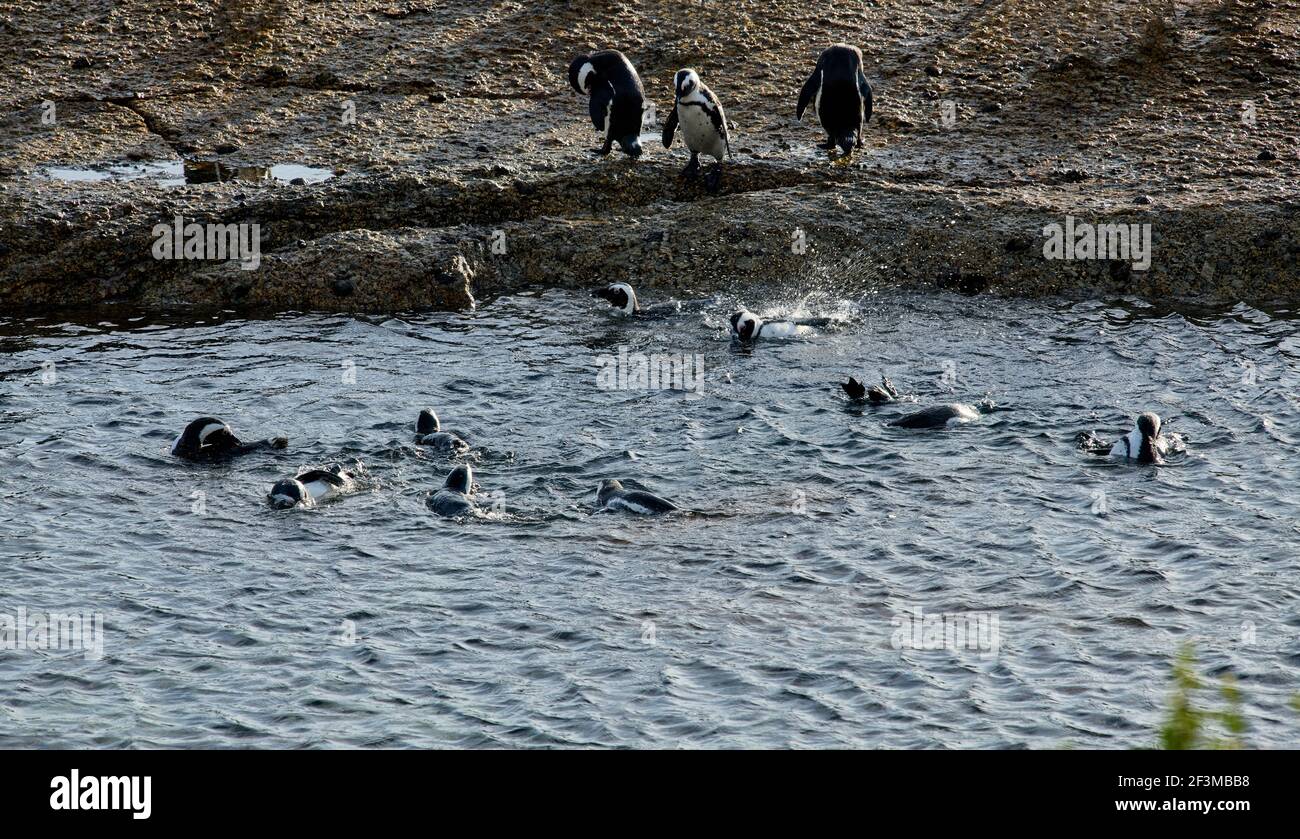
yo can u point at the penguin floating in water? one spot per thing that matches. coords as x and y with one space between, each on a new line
839 92
456 498
623 298
612 496
428 432
875 394
939 416
747 326
310 488
1144 444
704 126
208 439
617 98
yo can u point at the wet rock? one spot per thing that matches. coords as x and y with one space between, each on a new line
990 107
275 73
298 182
81 62
933 70
1017 244
1142 199
344 287
1267 154
325 79
226 148
437 98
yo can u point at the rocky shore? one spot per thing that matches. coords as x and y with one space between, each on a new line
457 161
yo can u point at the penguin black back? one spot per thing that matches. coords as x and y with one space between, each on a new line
617 97
839 90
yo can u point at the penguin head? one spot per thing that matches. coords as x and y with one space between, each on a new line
631 145
607 488
686 81
620 296
205 431
427 423
580 74
287 493
460 480
1148 425
745 325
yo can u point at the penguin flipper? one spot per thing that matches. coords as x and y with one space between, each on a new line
809 91
602 100
670 128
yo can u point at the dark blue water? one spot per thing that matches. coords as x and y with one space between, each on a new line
766 620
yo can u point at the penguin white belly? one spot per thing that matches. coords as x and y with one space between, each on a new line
963 414
321 490
781 329
1129 445
697 128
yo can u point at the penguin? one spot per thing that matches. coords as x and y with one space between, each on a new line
1144 444
456 498
747 326
938 416
617 98
839 91
623 298
428 432
208 439
612 496
704 126
876 394
310 488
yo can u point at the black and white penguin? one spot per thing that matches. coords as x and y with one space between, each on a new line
617 97
703 123
612 496
208 438
839 92
747 326
875 394
311 488
1144 444
623 298
428 432
938 416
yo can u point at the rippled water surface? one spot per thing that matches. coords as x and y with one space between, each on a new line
765 620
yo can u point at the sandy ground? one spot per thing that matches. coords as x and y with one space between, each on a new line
992 120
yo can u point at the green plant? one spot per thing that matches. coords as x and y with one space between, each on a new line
1189 727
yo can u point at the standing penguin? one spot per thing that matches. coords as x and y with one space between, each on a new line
840 93
617 97
704 126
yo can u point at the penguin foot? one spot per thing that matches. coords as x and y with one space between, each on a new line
604 150
692 170
714 179
826 146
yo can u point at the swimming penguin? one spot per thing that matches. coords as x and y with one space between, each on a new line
456 498
208 438
310 488
938 416
612 496
623 299
617 98
428 432
1144 443
876 394
840 93
747 326
704 126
